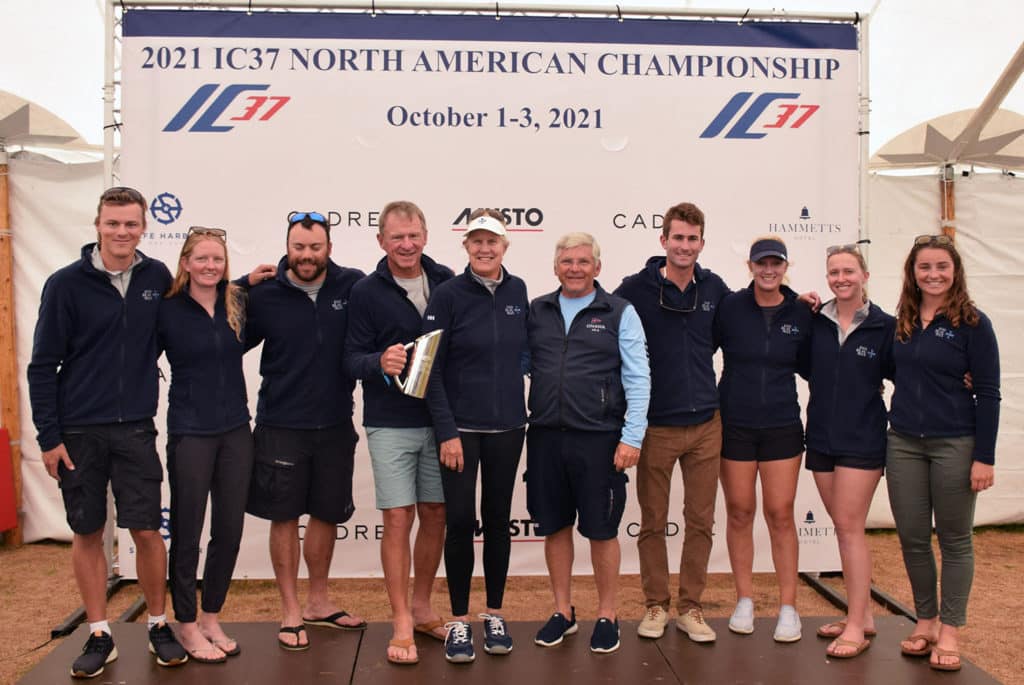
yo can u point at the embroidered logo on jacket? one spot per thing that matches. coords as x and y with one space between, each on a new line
790 329
513 310
863 351
943 332
596 325
338 305
150 295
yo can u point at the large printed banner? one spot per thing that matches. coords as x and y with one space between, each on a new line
565 124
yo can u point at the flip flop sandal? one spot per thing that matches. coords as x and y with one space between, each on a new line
833 630
939 666
222 645
402 644
195 655
294 630
924 651
858 648
332 621
428 629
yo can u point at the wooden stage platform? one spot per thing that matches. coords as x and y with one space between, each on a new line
350 657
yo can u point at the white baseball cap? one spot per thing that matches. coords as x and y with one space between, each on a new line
486 222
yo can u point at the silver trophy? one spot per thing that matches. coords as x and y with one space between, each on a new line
417 375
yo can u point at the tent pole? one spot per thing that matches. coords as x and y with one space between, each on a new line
947 190
9 402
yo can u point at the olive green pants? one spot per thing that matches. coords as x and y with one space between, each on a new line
926 477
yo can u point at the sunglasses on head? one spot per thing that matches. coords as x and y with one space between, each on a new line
940 239
203 230
848 247
296 217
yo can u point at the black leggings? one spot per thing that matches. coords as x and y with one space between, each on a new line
496 456
201 466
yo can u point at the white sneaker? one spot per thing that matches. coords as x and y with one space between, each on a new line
742 619
692 623
653 623
788 627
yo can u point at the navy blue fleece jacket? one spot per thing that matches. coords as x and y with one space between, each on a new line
94 352
930 399
304 381
477 383
758 384
846 414
207 394
382 315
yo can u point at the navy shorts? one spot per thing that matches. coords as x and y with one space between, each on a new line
762 444
570 472
819 461
300 472
123 454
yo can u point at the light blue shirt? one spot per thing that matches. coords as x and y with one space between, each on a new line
636 372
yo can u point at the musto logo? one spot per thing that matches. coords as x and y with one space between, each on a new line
261 107
521 219
781 115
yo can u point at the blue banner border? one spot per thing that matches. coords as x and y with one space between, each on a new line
485 28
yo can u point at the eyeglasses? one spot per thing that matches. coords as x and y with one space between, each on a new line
940 239
296 217
203 230
848 247
673 308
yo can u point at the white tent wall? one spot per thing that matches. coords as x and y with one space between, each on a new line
988 211
52 209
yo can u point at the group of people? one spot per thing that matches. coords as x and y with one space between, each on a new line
617 380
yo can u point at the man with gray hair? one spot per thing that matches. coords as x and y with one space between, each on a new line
589 389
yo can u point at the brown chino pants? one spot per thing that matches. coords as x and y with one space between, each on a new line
697 449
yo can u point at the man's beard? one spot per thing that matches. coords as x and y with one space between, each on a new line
293 266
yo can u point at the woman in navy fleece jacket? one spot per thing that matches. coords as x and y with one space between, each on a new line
942 439
477 404
763 332
851 352
209 444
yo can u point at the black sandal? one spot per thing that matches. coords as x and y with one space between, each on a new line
294 630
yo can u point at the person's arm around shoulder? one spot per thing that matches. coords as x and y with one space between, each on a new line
636 382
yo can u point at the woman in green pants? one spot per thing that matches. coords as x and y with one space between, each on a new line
941 444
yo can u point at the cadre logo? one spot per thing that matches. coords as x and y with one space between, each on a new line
252 108
782 115
629 220
519 219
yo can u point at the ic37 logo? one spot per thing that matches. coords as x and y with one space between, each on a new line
791 115
258 107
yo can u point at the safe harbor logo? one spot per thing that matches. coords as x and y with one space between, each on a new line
228 101
809 532
765 108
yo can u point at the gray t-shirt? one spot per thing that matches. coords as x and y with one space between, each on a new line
119 279
311 289
417 290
